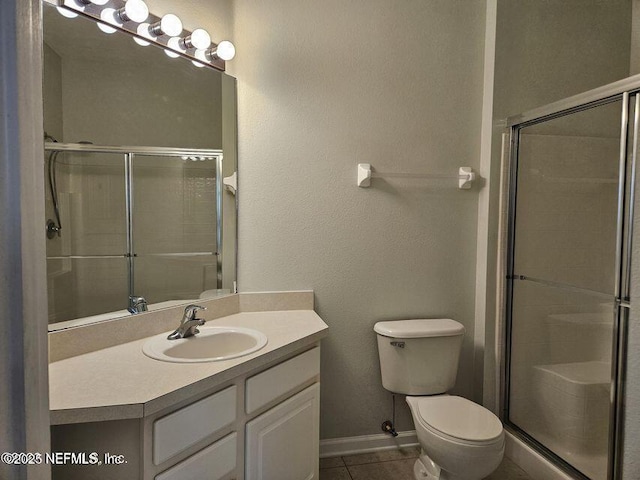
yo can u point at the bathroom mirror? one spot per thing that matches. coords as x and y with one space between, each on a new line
138 145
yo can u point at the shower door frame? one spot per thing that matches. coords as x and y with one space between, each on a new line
129 152
624 91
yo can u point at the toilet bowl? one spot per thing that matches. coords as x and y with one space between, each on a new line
459 439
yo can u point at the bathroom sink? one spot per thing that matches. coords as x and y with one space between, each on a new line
212 344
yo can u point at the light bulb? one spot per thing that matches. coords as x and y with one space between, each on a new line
134 11
107 15
143 31
169 25
225 50
198 39
202 56
174 43
66 13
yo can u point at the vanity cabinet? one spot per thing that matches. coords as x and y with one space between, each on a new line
262 425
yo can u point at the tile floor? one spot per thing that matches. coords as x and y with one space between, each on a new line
395 465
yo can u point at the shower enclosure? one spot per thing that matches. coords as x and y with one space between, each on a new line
135 221
570 219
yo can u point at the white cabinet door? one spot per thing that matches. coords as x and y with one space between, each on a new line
282 443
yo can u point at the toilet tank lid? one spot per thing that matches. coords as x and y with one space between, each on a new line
419 328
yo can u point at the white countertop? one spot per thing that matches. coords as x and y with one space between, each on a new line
121 382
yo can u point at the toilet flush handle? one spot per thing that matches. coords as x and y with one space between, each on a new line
397 344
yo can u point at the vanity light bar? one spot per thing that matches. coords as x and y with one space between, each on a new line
133 16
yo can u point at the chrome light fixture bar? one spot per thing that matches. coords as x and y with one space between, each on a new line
133 17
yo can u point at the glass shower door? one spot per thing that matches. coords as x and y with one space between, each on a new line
176 226
86 259
564 284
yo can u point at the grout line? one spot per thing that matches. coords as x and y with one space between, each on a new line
348 471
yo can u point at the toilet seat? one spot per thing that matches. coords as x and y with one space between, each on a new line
459 420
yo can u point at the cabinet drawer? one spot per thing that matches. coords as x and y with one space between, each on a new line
181 429
212 463
270 384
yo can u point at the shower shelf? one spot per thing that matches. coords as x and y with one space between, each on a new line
570 377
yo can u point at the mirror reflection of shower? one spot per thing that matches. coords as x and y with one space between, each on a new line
115 203
54 227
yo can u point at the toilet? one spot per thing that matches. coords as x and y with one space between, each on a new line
460 440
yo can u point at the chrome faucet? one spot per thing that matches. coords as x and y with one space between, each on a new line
137 305
189 324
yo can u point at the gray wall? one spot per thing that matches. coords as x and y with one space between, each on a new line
323 86
547 50
160 110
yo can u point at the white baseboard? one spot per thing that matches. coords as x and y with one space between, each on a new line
538 467
336 447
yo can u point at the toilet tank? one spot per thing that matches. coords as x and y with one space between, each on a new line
419 357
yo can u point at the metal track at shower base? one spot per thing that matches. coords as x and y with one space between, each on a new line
548 454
